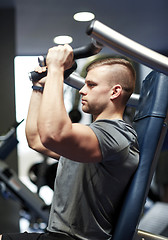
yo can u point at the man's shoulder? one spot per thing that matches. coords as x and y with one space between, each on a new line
117 124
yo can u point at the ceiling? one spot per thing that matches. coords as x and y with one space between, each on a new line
39 21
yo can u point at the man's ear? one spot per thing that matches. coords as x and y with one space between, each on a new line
116 91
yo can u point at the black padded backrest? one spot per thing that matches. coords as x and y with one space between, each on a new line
149 120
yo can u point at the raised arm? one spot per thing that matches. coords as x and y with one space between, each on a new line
31 130
57 133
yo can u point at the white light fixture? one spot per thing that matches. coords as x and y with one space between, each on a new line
62 39
84 16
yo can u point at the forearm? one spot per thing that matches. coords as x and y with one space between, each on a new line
53 119
54 124
31 121
32 133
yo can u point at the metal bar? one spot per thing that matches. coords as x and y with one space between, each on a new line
133 101
76 81
142 235
108 37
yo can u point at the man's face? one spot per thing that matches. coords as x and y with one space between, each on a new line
96 91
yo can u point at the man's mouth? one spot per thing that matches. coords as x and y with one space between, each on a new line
83 101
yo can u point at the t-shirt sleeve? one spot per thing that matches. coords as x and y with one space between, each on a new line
114 145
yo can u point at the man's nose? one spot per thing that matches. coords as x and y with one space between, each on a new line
82 91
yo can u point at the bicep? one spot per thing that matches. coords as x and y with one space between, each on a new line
37 145
80 144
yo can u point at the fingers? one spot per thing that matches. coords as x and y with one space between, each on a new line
61 55
70 57
69 48
40 69
66 48
42 81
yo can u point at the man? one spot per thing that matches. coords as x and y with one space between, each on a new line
98 160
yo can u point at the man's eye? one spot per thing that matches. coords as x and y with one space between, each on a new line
91 84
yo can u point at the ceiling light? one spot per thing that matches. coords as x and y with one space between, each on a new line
84 16
63 39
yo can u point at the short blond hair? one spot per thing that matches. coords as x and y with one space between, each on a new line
128 86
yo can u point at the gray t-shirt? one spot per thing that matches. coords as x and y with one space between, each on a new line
88 195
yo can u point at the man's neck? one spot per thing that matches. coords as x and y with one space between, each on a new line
107 116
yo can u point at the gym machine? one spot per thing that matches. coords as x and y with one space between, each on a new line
11 187
150 122
151 119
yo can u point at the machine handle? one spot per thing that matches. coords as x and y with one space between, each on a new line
35 76
81 52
